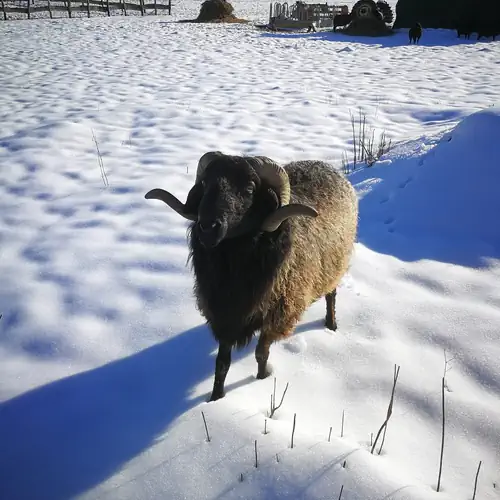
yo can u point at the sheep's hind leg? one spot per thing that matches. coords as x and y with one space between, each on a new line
262 355
222 364
330 320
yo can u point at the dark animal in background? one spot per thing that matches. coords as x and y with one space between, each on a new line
487 31
415 33
265 242
466 29
341 20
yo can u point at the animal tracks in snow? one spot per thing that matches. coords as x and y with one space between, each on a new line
295 344
405 183
390 219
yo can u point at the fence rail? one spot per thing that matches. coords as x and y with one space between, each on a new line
88 6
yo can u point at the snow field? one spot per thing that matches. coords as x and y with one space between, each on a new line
105 364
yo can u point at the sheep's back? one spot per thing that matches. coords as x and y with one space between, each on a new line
321 246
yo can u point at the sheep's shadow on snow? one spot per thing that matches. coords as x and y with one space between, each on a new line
430 38
64 438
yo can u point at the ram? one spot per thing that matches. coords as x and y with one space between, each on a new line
265 241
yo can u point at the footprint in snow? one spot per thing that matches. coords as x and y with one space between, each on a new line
348 283
295 345
432 152
405 183
388 222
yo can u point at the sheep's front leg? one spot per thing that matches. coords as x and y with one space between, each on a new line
262 355
222 364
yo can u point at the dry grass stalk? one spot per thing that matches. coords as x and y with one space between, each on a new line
366 150
475 482
274 408
99 159
442 436
293 428
206 427
389 412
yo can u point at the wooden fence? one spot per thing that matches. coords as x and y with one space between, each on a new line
70 7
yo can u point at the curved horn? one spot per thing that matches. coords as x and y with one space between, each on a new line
275 175
278 178
205 160
273 221
171 201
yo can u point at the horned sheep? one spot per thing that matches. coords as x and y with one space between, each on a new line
265 242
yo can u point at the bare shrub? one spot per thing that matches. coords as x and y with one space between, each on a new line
366 148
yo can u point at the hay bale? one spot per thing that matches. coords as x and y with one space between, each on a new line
216 10
367 26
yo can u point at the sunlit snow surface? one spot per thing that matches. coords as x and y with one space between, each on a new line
105 363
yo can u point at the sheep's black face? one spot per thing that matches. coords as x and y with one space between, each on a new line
233 202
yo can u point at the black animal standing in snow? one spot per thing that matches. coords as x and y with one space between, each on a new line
465 28
265 243
487 30
415 33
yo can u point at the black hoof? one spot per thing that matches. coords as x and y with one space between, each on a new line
331 325
262 374
216 396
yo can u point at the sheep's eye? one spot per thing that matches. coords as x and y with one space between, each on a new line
251 188
203 184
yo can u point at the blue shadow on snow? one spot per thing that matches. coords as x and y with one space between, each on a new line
421 239
430 38
64 438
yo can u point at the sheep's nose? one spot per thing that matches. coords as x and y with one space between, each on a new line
210 226
211 232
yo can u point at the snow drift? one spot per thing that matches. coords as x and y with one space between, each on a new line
451 195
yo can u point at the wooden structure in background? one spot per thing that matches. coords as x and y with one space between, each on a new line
28 7
302 15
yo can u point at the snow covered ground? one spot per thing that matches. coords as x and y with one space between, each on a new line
105 364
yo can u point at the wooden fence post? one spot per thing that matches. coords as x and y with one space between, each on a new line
29 9
124 7
50 10
142 7
69 8
107 6
88 8
4 13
